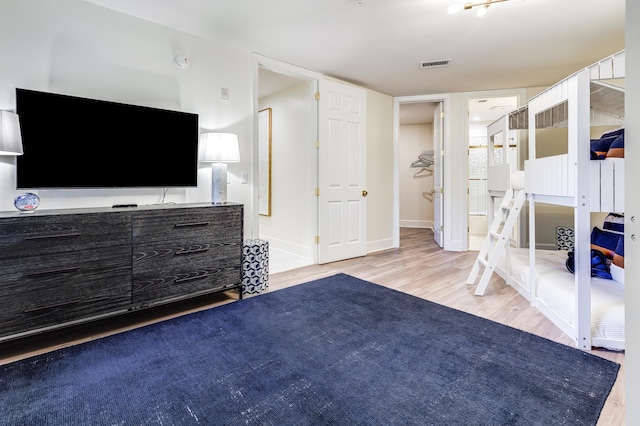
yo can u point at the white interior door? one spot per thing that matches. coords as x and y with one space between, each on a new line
342 206
438 119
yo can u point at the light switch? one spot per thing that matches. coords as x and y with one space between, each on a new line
244 177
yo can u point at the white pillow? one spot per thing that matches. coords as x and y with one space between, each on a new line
617 273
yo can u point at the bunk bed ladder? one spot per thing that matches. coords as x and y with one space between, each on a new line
497 239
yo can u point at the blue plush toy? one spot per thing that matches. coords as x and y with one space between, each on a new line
599 266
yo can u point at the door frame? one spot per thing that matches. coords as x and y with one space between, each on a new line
521 99
446 144
260 61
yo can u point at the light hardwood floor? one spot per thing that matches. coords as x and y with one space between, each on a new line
418 267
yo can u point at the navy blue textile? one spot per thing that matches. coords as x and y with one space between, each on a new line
336 351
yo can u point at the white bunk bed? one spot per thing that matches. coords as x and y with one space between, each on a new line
590 310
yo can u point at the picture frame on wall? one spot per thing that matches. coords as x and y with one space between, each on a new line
264 162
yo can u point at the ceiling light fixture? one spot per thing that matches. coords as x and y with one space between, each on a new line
482 7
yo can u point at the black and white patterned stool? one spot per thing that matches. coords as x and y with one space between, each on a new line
255 266
564 238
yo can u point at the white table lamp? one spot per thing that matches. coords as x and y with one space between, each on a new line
219 149
10 136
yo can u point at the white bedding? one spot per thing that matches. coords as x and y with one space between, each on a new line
556 288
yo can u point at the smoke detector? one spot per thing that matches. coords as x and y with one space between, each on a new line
181 61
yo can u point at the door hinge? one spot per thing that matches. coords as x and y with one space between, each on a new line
317 144
317 239
441 114
317 192
317 96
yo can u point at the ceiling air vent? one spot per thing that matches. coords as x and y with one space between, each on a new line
435 64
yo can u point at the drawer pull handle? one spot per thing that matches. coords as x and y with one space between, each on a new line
195 277
192 250
185 225
56 305
42 237
53 271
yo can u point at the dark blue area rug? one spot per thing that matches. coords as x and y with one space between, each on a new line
336 351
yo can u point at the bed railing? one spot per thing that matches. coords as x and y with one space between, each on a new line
555 177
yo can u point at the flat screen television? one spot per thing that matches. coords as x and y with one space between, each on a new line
74 142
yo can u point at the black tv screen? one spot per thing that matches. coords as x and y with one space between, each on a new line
73 142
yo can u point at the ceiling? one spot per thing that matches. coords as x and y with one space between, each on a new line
380 44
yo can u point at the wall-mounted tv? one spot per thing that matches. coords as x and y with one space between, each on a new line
74 142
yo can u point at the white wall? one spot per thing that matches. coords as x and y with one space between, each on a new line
81 49
78 48
291 226
416 209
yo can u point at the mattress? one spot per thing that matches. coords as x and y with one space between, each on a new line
556 289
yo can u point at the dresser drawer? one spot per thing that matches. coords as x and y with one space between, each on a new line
58 288
26 236
173 268
193 223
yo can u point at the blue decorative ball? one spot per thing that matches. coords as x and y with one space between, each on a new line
27 202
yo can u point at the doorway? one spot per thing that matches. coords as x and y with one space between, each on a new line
302 219
425 205
285 219
483 111
416 161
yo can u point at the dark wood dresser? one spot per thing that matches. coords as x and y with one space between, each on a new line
64 267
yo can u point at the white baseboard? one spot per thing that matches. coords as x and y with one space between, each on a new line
373 246
428 224
295 249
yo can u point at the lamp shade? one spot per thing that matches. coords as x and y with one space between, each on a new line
219 147
10 136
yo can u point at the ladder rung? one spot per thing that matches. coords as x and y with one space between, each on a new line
483 261
494 234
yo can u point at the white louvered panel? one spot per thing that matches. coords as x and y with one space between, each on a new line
594 72
618 65
606 68
611 67
595 185
551 180
569 175
563 89
619 183
549 176
606 186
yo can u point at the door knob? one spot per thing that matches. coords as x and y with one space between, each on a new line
364 193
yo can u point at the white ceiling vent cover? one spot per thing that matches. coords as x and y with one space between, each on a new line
435 64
